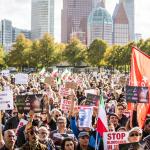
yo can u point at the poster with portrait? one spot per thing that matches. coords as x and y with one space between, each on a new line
92 100
25 103
85 117
136 94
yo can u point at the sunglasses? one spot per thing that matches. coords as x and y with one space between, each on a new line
135 134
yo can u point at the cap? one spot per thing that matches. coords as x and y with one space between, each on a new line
81 134
136 129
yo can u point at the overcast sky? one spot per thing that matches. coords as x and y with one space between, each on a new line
19 12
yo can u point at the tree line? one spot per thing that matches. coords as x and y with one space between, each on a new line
45 52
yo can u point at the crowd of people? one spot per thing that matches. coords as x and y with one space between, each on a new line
52 128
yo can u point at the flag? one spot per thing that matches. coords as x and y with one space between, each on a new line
42 72
140 76
65 74
102 125
54 74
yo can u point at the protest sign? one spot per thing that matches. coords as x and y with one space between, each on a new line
6 100
25 103
136 94
92 100
113 139
65 105
91 91
131 146
85 117
21 78
21 124
49 80
70 85
5 73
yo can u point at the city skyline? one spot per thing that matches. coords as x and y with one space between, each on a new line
23 8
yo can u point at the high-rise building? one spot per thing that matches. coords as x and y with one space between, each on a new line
16 32
138 36
99 25
130 11
6 33
74 17
120 25
42 18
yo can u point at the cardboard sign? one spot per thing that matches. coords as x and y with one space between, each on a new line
91 91
113 139
49 80
135 94
6 100
70 85
5 73
21 78
65 105
85 117
92 100
131 146
25 103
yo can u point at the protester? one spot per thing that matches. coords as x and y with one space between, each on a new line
32 140
44 138
146 130
68 144
9 140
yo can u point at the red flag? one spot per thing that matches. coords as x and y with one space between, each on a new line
140 76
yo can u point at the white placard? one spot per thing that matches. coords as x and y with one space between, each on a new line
21 78
113 139
6 100
5 73
85 117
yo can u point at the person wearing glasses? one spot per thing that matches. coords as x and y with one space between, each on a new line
68 144
44 138
9 140
83 139
135 135
32 138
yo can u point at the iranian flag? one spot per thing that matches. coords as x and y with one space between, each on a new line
102 125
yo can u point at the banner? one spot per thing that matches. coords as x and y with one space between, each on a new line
91 91
92 100
6 100
25 103
21 78
113 139
140 76
85 117
135 94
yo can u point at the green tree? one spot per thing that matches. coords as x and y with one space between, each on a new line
2 56
95 52
47 47
16 55
75 52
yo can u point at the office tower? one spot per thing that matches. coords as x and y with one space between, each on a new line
120 25
99 26
16 32
6 33
138 36
74 18
130 11
42 18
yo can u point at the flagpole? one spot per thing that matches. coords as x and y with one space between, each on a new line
96 140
